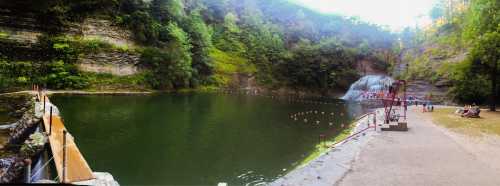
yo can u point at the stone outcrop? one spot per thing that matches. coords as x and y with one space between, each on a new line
119 63
24 126
33 145
368 67
105 30
22 36
15 105
24 147
20 32
116 63
423 89
11 169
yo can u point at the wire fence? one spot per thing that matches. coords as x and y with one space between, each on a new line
42 98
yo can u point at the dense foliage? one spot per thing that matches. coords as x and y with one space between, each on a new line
274 36
460 28
286 44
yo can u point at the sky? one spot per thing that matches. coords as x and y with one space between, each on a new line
396 14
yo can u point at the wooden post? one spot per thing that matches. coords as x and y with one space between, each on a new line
43 106
64 158
322 140
50 121
27 171
319 139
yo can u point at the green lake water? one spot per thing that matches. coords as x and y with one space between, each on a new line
4 117
197 139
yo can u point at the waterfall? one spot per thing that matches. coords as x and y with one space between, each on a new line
369 83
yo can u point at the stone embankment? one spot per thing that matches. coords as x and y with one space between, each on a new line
22 145
331 166
26 143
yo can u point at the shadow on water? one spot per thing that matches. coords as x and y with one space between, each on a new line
197 139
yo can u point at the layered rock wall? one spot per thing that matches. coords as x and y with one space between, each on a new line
116 63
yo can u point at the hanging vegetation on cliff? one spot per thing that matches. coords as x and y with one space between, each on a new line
288 44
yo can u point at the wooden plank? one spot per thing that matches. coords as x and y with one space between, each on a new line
77 168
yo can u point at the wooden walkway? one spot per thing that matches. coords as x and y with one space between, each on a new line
76 168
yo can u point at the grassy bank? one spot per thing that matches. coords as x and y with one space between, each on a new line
324 147
488 123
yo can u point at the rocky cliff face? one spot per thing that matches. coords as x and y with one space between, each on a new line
369 67
120 63
107 31
116 63
20 33
22 144
424 68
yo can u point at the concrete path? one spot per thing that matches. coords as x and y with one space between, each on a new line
329 167
425 155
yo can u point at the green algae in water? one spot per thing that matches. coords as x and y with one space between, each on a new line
196 139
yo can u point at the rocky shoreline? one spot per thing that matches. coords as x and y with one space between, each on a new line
26 142
23 142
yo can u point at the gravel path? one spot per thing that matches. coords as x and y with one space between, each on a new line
425 155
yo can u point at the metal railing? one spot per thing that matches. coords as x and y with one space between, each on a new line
42 97
374 126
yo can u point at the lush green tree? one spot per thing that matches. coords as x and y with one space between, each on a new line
59 75
469 86
483 17
167 10
145 29
201 40
486 51
227 36
282 40
265 48
324 65
216 10
180 47
171 65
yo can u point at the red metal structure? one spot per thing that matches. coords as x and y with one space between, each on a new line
395 96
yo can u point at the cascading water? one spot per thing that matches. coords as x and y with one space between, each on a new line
369 83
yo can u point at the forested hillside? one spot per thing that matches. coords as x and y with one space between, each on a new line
460 50
178 44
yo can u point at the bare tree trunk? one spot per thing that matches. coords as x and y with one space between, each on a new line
493 96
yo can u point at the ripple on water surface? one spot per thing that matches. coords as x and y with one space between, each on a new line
197 139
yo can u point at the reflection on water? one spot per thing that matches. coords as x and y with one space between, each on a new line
4 117
197 139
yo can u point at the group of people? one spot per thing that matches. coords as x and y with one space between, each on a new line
413 100
427 107
470 111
